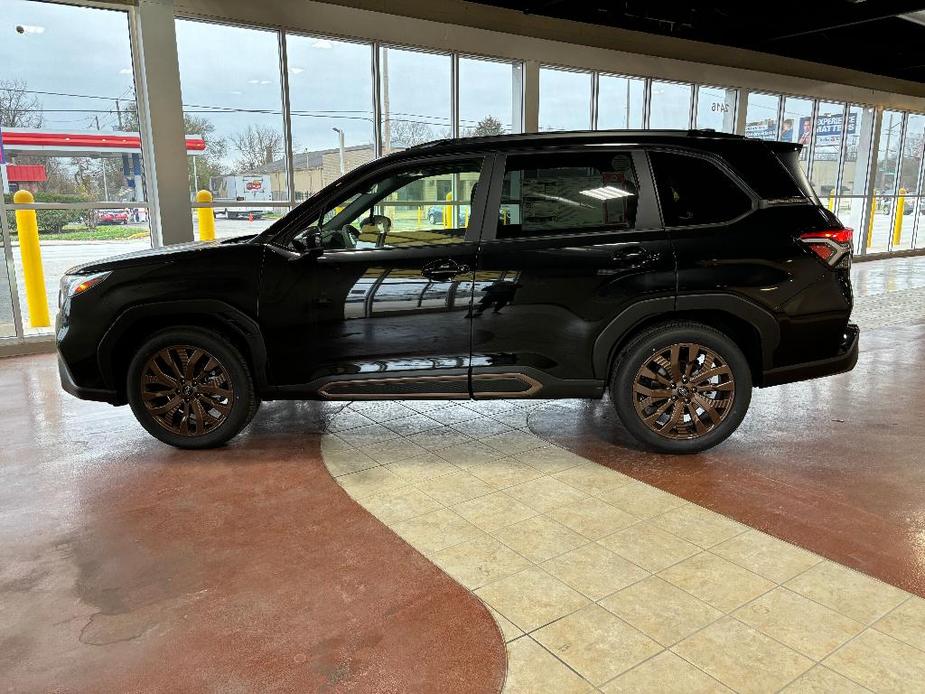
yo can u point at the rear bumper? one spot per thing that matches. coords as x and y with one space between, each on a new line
68 384
844 360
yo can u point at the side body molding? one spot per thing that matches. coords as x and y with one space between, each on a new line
671 307
232 319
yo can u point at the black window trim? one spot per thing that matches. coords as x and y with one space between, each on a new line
648 213
724 168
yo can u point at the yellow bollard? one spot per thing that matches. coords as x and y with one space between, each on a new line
831 204
448 213
420 215
27 226
206 217
870 226
898 221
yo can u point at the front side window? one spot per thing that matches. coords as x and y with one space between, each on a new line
567 193
423 205
693 190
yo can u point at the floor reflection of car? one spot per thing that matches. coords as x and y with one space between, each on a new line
670 270
107 217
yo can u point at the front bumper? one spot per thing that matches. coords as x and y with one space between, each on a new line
68 384
844 360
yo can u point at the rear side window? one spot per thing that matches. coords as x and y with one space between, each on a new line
567 193
695 191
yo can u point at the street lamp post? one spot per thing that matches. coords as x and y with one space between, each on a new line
340 137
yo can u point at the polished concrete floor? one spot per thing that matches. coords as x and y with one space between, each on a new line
457 546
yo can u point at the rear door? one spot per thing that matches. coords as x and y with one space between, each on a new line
577 241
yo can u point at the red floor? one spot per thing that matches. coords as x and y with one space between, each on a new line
128 566
835 465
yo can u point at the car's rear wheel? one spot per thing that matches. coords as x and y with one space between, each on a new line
190 388
681 387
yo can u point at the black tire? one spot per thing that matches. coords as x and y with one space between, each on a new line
214 364
665 432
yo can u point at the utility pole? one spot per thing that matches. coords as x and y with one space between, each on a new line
340 137
386 125
119 114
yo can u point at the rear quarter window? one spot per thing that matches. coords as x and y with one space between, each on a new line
693 190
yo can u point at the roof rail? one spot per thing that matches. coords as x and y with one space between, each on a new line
589 134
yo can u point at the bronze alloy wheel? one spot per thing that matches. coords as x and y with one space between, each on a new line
186 390
683 391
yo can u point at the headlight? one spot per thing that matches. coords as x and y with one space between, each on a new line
72 285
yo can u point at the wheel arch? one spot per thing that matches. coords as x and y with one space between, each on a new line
752 328
136 324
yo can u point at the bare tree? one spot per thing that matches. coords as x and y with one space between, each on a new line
407 133
19 108
257 146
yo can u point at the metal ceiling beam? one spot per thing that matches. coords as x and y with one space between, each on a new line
865 14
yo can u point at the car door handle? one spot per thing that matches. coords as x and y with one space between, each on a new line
633 256
443 270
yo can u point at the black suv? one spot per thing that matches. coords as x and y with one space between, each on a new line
675 270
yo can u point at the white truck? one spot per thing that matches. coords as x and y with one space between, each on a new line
250 188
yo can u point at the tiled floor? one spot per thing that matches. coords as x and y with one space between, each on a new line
601 582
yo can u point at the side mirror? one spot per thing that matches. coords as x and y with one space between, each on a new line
309 241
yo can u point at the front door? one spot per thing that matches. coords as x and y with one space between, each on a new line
383 310
578 241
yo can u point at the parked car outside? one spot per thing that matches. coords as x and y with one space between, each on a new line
108 217
672 270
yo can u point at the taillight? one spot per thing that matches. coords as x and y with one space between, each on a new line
832 246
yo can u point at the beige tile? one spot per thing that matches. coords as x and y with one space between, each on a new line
452 414
742 658
483 426
348 419
821 680
343 461
490 407
455 488
494 511
641 500
539 538
596 644
399 505
594 570
381 410
532 670
468 454
849 592
413 424
365 483
767 556
367 436
880 663
592 517
513 442
480 561
551 459
592 478
717 582
518 419
699 525
504 472
531 598
421 468
649 547
804 625
660 610
393 450
434 439
429 405
332 442
545 493
509 630
666 673
436 530
906 623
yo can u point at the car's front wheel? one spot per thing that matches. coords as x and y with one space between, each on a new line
190 388
681 387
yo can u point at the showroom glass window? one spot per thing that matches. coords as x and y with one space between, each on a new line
831 123
716 108
236 106
411 206
693 190
416 92
761 116
565 99
487 103
620 102
323 110
797 126
568 193
70 71
670 105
